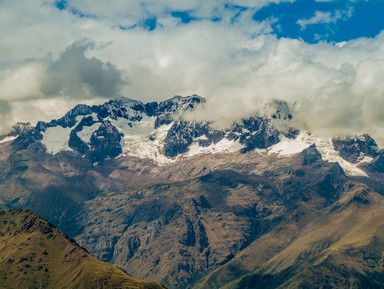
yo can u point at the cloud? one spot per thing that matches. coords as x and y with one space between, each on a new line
130 12
74 75
321 17
332 90
236 63
21 81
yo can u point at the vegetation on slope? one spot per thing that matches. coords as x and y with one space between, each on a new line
34 254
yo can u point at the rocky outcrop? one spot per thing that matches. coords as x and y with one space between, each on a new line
377 164
255 133
119 110
121 115
184 133
105 142
354 149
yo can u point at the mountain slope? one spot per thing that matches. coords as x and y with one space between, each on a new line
343 248
34 254
208 217
191 206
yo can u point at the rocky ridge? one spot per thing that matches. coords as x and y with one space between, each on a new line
158 131
90 130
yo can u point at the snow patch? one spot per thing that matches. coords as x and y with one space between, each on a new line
328 153
55 139
223 146
142 140
94 116
288 147
8 139
87 131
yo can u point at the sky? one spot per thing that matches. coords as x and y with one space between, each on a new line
324 57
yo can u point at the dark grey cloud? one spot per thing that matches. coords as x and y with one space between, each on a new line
77 75
74 74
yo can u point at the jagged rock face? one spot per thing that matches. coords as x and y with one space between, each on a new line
88 130
27 138
183 133
158 131
377 164
255 133
105 142
96 128
354 149
179 138
310 155
75 142
178 104
164 111
252 133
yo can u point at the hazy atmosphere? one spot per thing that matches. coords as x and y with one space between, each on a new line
237 54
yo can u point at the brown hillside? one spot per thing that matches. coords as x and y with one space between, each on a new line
34 254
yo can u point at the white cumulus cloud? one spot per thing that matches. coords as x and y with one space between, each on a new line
321 17
46 66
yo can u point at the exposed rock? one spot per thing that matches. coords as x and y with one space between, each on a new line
255 133
354 149
377 164
310 155
183 133
105 142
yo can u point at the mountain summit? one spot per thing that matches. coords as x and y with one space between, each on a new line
158 132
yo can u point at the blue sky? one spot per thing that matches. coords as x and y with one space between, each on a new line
346 19
310 20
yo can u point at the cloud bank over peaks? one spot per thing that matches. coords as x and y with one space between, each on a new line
73 77
224 54
332 90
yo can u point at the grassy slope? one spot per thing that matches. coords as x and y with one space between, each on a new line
34 254
344 248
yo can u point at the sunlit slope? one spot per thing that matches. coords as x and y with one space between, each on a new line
344 248
34 254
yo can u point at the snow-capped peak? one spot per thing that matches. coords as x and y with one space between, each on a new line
157 131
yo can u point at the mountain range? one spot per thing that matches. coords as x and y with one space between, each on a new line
183 203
